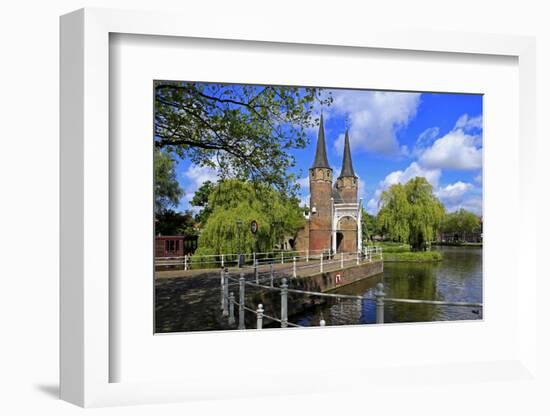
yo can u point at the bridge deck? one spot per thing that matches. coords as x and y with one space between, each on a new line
303 268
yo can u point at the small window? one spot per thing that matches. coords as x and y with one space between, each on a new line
170 246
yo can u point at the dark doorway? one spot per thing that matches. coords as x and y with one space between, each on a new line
339 239
292 243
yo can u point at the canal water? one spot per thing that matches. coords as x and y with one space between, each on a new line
457 278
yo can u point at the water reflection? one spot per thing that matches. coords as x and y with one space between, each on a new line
457 278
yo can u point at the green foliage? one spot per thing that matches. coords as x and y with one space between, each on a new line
393 247
243 131
460 222
167 189
169 222
200 199
411 213
413 257
233 200
369 226
394 214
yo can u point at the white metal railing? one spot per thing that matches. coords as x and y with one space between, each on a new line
257 259
228 301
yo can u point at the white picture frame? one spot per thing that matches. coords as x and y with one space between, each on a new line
85 211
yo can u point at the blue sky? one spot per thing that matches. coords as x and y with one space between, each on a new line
394 137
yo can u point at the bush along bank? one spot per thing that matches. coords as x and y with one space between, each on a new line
413 256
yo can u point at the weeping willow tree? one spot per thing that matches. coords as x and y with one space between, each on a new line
394 213
411 213
232 201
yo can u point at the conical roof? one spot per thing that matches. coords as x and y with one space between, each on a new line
347 166
321 160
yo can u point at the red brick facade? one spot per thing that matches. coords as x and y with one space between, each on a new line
325 197
320 218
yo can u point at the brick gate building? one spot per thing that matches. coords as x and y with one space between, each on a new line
334 221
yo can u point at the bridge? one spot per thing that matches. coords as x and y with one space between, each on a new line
277 281
271 287
305 261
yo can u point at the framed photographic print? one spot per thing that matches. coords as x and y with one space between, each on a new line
345 195
261 201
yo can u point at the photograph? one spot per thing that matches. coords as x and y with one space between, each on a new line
268 208
296 206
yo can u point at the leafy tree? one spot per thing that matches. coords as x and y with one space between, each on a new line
394 213
426 214
167 189
461 222
232 201
200 199
369 226
411 213
169 222
243 131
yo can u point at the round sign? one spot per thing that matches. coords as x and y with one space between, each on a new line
253 226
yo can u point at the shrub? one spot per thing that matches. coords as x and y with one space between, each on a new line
415 257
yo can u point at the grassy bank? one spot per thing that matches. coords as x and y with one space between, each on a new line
401 252
414 257
390 247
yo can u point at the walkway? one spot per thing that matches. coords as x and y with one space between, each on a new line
303 268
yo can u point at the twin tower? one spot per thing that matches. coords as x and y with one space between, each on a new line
335 213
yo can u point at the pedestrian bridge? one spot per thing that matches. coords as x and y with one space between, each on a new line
303 263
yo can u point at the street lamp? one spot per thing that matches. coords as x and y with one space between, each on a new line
276 229
239 255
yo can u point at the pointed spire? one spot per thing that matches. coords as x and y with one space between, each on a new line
347 166
321 151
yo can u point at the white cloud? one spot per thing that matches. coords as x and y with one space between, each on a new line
402 176
361 188
473 204
425 139
200 174
303 182
427 136
375 117
372 205
455 150
193 179
453 194
412 171
458 149
467 123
